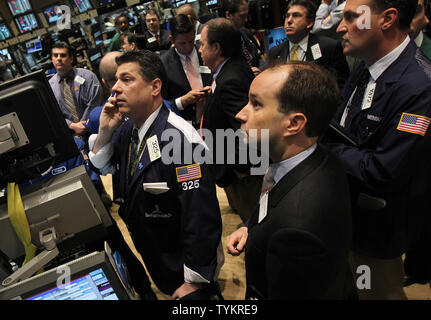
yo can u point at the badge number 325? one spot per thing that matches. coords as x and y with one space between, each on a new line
188 185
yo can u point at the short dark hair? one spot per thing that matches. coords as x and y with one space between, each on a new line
181 24
230 5
63 45
223 31
309 89
307 4
150 65
139 39
121 16
152 11
406 10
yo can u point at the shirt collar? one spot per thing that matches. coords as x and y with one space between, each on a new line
183 57
219 68
142 131
419 39
280 169
302 44
70 75
154 34
378 67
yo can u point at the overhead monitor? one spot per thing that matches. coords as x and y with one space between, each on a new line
18 7
26 23
4 32
83 5
52 13
34 45
93 277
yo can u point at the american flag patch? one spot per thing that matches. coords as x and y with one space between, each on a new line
413 123
190 172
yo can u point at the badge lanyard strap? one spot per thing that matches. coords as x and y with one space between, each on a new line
138 156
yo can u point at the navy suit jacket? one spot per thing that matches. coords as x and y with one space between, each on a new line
388 163
332 56
181 226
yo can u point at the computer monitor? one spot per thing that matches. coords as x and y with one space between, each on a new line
4 32
93 277
26 23
83 5
52 13
275 37
34 45
18 7
40 137
5 53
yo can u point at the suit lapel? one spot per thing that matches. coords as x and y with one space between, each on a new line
295 176
312 40
285 51
156 129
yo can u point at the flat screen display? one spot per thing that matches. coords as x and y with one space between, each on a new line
19 6
53 13
275 37
26 23
33 45
83 5
4 32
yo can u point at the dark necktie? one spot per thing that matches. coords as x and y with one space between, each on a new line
356 102
158 39
134 141
68 98
245 52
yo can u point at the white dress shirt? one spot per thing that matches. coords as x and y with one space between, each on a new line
302 49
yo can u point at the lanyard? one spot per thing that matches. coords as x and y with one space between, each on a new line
131 169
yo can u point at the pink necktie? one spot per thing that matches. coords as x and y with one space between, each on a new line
195 83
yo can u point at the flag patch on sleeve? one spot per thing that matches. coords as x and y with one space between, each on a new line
413 123
190 172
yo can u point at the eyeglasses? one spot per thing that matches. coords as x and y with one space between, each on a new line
294 15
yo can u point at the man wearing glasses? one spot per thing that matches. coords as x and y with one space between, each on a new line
303 46
157 38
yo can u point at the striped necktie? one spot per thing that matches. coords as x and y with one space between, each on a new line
68 99
268 181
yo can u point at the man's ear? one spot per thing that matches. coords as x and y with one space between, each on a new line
295 123
390 17
171 39
157 87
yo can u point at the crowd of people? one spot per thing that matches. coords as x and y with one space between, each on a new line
343 108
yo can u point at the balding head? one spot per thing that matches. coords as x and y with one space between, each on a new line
108 68
187 9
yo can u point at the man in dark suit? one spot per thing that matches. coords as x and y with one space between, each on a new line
303 46
386 109
188 10
157 37
220 51
298 240
187 76
169 207
237 12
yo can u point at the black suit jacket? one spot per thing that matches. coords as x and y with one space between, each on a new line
178 84
332 56
164 45
228 98
300 249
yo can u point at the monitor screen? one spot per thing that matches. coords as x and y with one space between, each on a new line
19 6
4 32
83 5
92 277
105 2
26 23
34 45
45 145
275 37
5 54
52 13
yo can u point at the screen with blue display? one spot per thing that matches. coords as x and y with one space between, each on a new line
34 45
83 5
92 286
19 6
275 37
4 32
53 13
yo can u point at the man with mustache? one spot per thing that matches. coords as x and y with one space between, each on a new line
386 111
303 46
